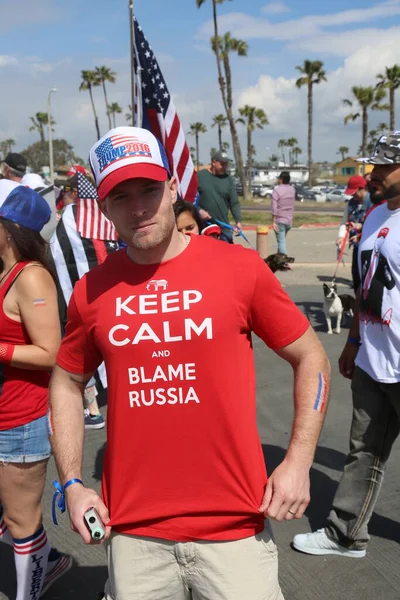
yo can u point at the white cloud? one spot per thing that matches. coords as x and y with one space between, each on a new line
275 8
345 43
6 60
41 67
286 106
248 27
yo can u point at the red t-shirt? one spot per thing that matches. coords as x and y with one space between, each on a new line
183 459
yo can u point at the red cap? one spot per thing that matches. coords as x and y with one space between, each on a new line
212 229
354 184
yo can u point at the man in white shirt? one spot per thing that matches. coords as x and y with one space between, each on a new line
371 360
14 167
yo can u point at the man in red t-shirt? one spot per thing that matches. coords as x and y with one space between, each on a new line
185 493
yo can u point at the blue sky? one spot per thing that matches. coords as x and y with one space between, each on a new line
46 43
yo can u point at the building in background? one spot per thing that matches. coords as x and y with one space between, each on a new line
349 167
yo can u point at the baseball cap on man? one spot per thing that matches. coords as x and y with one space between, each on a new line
25 207
354 184
127 153
16 161
221 157
386 151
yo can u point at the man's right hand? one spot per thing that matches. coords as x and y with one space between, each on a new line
204 214
347 360
79 500
339 242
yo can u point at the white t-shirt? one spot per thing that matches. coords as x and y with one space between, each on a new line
379 267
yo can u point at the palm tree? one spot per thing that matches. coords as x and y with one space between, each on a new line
225 82
253 118
10 143
219 121
282 144
212 151
104 74
39 122
128 115
343 150
291 143
226 46
4 149
390 80
225 146
296 152
89 81
196 129
274 159
372 135
192 151
382 128
312 73
368 98
114 109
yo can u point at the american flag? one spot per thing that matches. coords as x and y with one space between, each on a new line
159 114
91 223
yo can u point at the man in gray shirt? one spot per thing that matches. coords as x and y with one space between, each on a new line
283 198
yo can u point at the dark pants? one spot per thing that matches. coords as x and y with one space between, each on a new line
374 428
354 270
226 236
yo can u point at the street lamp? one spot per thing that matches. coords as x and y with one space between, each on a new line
50 133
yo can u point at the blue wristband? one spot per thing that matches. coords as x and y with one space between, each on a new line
355 341
60 491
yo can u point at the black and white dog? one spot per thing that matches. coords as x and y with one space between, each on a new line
335 306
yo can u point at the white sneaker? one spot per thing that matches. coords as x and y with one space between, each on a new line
318 543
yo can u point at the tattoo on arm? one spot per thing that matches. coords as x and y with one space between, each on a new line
322 394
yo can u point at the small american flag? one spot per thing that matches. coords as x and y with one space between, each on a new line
153 102
91 223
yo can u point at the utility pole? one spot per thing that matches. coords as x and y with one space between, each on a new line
132 53
50 134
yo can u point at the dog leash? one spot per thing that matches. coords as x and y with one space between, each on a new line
341 254
228 226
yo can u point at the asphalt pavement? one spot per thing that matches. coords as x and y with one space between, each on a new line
376 577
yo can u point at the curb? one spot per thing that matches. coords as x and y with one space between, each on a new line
305 226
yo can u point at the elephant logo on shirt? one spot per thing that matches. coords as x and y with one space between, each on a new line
157 284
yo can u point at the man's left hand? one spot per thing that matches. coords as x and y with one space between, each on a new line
238 228
287 494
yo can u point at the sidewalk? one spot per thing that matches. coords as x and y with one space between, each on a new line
314 251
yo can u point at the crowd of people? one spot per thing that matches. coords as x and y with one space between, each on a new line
186 502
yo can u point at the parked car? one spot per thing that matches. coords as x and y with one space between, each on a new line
256 189
337 195
266 191
304 192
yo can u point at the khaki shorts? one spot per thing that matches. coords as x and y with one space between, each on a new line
142 568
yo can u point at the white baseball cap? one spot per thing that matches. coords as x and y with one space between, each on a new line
6 187
127 153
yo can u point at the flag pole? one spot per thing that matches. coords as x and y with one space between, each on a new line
132 52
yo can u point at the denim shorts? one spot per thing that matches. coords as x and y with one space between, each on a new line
27 443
